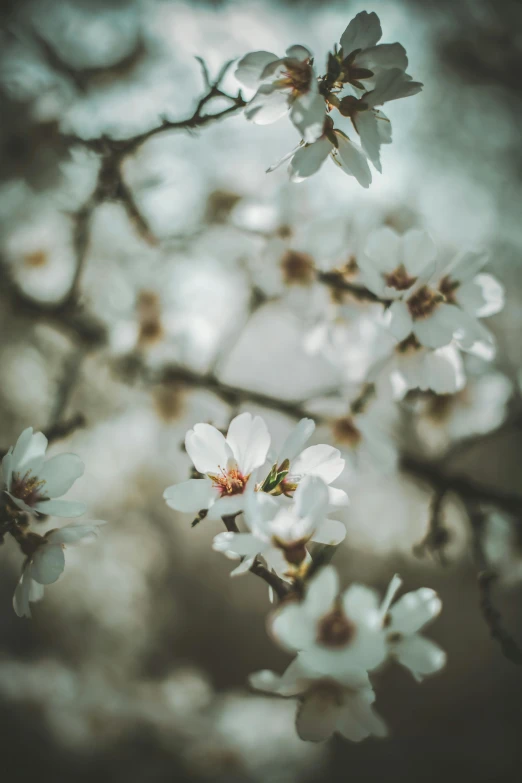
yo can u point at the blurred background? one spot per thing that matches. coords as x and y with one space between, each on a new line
138 301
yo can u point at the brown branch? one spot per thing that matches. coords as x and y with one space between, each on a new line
437 535
338 282
486 579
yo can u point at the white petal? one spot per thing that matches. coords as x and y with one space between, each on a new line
466 265
317 716
360 603
299 52
21 446
249 439
401 323
207 448
321 460
322 591
366 126
414 610
309 159
483 296
240 544
391 85
7 468
383 56
308 117
75 532
192 495
226 505
439 328
363 31
285 157
384 249
421 656
259 508
330 531
268 105
311 498
294 443
48 563
352 160
60 508
337 498
26 591
418 252
32 456
251 66
443 371
358 719
60 473
292 629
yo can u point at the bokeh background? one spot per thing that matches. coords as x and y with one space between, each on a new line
161 303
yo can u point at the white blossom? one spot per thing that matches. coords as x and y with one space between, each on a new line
307 158
336 634
280 532
326 705
46 564
226 464
34 484
403 621
360 50
286 85
392 263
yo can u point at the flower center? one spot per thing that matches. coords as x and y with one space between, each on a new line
294 551
229 482
149 315
424 302
297 75
447 287
335 630
27 488
344 431
409 344
399 279
298 268
36 258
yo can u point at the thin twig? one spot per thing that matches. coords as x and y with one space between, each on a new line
437 535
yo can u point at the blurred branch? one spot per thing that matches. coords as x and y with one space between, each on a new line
336 281
437 535
486 579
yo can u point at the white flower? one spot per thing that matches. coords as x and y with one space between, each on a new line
412 366
372 125
403 621
336 634
227 464
33 484
323 461
393 263
280 533
47 562
288 85
306 159
478 408
360 52
326 705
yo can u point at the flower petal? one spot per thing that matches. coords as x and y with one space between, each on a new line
60 473
295 441
299 52
383 56
483 296
418 252
240 544
311 498
249 439
401 322
414 610
352 160
421 656
75 532
226 505
251 66
322 591
366 125
308 116
330 531
269 104
317 715
26 591
358 719
47 564
192 495
207 448
363 31
309 159
291 629
321 460
60 508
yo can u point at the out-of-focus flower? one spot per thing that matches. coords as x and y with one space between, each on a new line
503 548
393 263
403 621
326 705
226 464
33 484
307 158
446 306
288 85
478 408
280 533
413 366
335 634
46 563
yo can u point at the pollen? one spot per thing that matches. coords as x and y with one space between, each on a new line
36 258
27 488
399 279
298 268
335 629
230 482
424 302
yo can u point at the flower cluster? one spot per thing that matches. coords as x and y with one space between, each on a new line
34 486
285 500
362 75
339 640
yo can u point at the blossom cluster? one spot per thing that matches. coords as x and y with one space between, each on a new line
362 75
286 499
34 486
